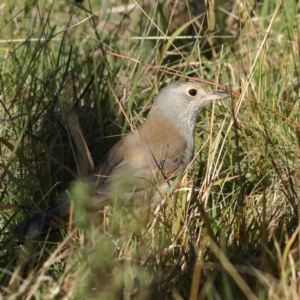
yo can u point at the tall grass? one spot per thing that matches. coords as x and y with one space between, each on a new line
229 229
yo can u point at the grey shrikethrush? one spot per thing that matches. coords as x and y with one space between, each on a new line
153 155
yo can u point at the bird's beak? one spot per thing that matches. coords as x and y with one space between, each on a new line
218 95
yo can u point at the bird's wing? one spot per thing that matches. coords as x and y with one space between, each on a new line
170 168
105 167
109 172
118 175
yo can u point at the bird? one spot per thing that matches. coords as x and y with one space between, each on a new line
150 156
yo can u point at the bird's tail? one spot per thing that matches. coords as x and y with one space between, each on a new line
49 220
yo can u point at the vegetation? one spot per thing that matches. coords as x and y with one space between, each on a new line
69 71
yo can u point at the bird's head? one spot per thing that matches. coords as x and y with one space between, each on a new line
182 102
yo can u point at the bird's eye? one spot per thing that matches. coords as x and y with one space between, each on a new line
192 92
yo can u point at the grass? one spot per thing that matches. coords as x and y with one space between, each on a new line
68 74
